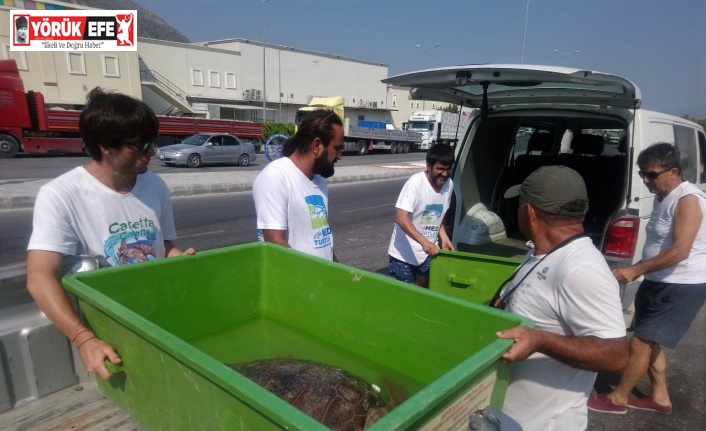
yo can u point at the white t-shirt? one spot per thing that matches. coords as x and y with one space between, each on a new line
77 214
572 293
286 199
659 235
427 208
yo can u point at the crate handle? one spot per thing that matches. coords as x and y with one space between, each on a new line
114 368
462 283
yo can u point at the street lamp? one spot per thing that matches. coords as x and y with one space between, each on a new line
424 102
427 49
279 79
524 35
264 86
564 53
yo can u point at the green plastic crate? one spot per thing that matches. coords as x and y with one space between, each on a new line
176 321
469 276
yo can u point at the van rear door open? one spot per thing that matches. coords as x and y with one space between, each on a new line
509 84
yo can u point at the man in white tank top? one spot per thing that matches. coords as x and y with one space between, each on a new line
674 289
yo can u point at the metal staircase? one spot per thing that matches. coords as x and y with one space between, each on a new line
166 89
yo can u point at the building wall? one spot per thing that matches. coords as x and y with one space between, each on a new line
294 76
200 72
64 78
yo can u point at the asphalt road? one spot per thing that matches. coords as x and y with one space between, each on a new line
361 213
51 166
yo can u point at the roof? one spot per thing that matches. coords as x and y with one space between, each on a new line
292 49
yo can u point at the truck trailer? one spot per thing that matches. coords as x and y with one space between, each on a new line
438 127
366 135
26 125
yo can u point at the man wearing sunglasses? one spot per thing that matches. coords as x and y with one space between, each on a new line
674 288
111 207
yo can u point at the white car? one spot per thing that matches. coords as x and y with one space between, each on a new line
203 149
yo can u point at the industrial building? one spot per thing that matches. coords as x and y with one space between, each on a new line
231 79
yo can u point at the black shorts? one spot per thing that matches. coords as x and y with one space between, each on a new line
665 311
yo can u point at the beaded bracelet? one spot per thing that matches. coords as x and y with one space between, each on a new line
79 333
84 342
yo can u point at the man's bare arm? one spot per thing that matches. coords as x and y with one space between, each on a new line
43 283
171 250
403 220
446 243
587 353
687 221
276 236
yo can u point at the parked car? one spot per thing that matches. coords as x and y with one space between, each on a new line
203 149
609 131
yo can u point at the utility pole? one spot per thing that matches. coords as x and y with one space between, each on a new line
524 35
264 86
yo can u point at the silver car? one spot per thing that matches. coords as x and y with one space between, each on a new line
202 149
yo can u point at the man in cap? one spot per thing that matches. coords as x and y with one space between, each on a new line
566 287
21 30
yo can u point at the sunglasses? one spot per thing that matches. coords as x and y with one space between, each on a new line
144 147
651 175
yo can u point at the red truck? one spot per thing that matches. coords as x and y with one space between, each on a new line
26 125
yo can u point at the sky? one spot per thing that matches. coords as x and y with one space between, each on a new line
660 45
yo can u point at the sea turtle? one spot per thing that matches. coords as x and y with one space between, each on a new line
330 395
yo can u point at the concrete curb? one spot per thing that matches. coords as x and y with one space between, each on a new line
22 194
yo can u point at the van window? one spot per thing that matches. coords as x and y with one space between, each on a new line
685 140
702 150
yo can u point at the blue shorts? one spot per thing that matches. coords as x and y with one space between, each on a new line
406 272
665 311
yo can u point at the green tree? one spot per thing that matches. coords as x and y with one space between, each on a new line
451 108
270 128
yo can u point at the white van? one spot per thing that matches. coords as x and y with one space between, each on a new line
525 112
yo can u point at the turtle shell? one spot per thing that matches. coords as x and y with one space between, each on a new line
337 399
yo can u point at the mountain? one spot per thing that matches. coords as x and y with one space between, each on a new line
148 24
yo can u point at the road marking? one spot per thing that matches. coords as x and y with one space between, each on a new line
201 234
403 165
367 208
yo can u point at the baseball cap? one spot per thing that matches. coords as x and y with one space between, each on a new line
550 188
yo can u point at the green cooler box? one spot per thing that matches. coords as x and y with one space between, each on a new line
175 322
469 276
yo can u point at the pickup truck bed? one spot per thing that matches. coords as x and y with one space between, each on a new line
80 407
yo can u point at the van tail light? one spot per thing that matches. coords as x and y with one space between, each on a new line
621 238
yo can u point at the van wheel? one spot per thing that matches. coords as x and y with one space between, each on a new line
8 146
362 147
193 161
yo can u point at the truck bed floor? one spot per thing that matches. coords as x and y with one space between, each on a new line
77 408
